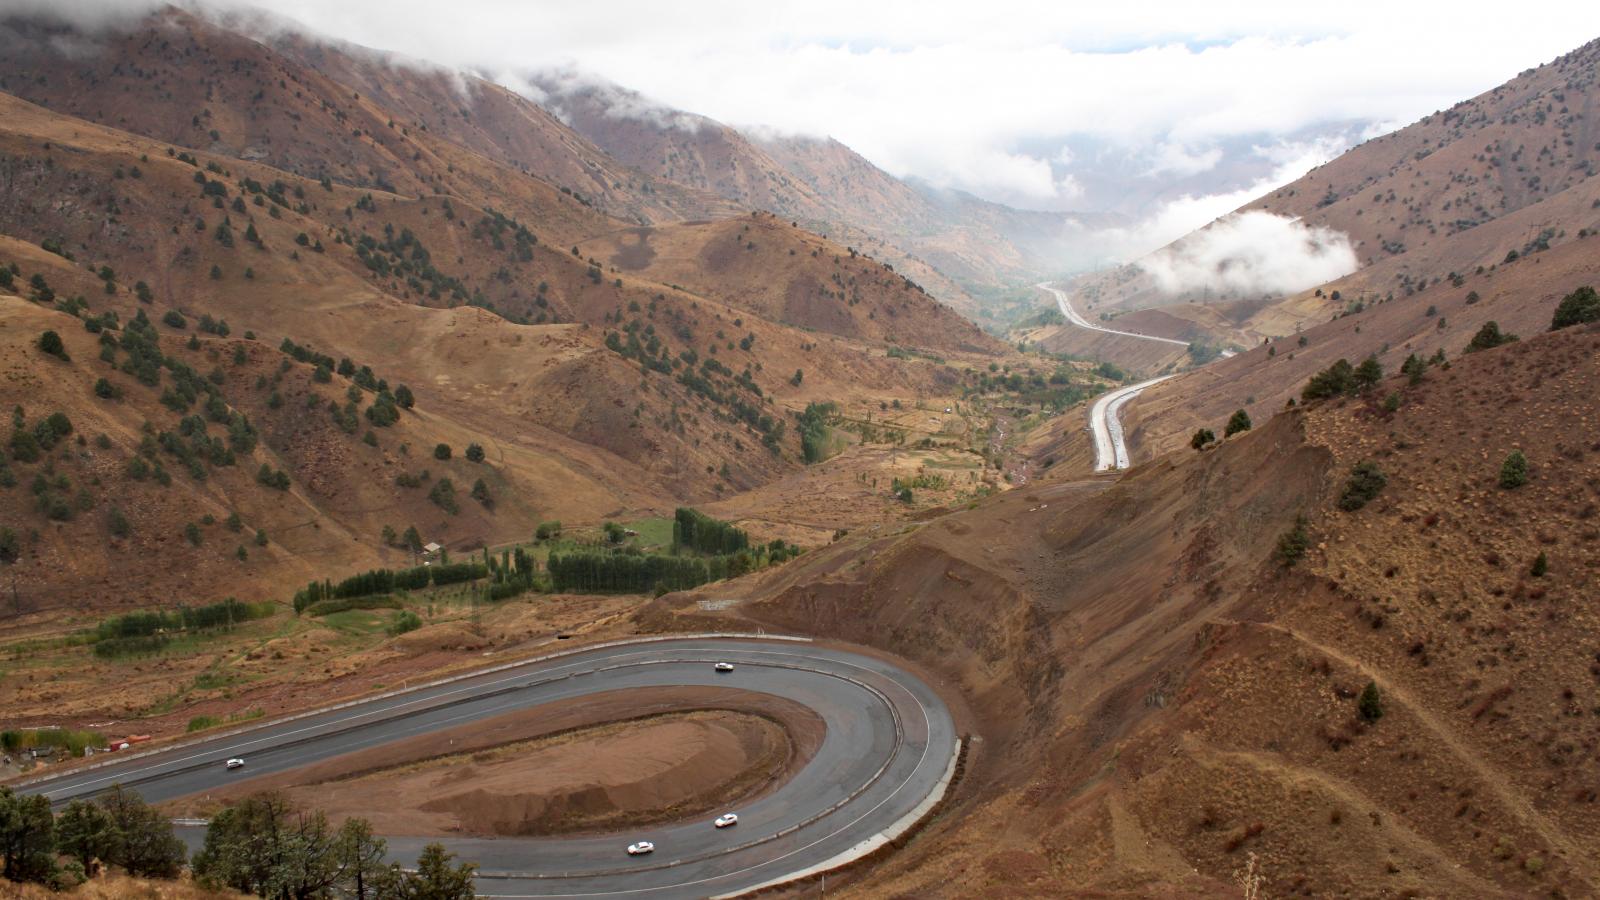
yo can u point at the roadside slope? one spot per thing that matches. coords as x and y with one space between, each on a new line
1165 697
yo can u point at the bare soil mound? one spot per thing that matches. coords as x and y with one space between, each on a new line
667 766
586 764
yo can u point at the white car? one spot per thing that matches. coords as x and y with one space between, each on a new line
723 667
726 819
234 763
641 848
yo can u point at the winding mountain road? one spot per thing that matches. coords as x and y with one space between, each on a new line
1105 416
888 752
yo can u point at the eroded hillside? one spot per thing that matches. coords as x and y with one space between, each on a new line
1160 696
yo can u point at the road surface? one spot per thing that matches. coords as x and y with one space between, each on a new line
1073 317
1105 421
889 742
1105 416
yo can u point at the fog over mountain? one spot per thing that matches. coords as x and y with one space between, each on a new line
1069 109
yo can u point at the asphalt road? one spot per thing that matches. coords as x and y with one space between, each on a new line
1105 416
1105 422
1078 320
889 740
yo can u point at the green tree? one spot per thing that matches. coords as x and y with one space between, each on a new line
27 837
1413 368
86 833
1489 337
1365 483
441 451
117 522
402 396
434 879
475 453
480 493
1368 374
1292 544
1239 421
1576 308
1370 704
1201 438
144 842
50 342
25 446
1541 565
1514 471
1337 379
360 857
443 495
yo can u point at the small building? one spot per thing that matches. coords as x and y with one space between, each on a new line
431 549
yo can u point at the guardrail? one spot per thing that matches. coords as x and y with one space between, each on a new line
872 845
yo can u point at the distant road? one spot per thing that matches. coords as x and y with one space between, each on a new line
889 742
1105 416
1105 420
1081 322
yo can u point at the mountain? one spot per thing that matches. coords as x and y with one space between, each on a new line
1166 671
1504 174
1495 217
962 248
165 178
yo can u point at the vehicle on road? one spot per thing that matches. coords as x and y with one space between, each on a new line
235 763
726 819
641 848
723 667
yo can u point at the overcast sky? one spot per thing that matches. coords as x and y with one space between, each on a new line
1023 102
950 92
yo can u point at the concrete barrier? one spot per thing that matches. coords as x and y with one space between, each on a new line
869 846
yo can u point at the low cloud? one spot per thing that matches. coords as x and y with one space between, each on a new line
1252 253
561 87
1173 158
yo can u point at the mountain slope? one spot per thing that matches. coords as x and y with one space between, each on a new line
293 100
593 393
956 245
1509 170
1159 696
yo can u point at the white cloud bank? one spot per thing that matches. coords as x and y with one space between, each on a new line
978 96
1252 252
986 97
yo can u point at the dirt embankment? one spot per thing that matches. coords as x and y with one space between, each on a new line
638 757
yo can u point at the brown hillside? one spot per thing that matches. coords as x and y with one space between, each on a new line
1520 296
1157 697
961 248
318 110
784 274
1509 170
503 126
507 338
